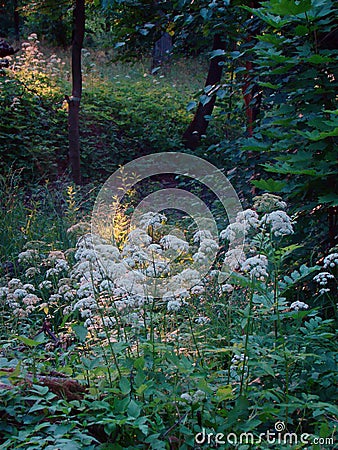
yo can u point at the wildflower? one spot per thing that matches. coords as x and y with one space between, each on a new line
200 259
30 299
297 305
3 292
46 285
14 283
67 310
200 235
331 260
198 396
234 258
139 237
233 232
280 223
28 256
197 290
322 278
256 266
29 287
201 320
54 298
32 271
228 288
151 219
268 202
55 255
19 293
155 248
324 291
208 246
187 398
236 359
249 218
174 305
174 243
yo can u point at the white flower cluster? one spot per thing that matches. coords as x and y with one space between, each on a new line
153 220
29 256
197 397
19 298
280 223
60 266
256 267
268 202
323 278
331 261
297 305
171 242
242 253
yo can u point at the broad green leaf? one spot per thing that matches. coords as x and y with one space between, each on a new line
224 393
125 385
269 185
29 342
331 199
134 410
80 331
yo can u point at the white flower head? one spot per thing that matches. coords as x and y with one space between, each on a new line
268 202
279 221
249 218
256 267
323 278
208 247
331 261
200 235
174 305
187 398
153 220
172 242
228 288
297 305
234 232
234 258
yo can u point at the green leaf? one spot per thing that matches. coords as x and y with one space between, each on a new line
29 342
289 7
80 331
269 185
218 52
191 105
134 410
124 385
224 393
331 199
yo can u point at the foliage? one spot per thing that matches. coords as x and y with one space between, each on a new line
295 66
116 107
163 374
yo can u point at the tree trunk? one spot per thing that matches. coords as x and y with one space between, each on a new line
75 99
161 51
199 125
16 20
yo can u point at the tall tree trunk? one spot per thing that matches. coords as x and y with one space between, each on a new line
161 51
16 18
198 126
75 99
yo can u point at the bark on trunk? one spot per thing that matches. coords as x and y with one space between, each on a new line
74 101
161 51
16 20
199 125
